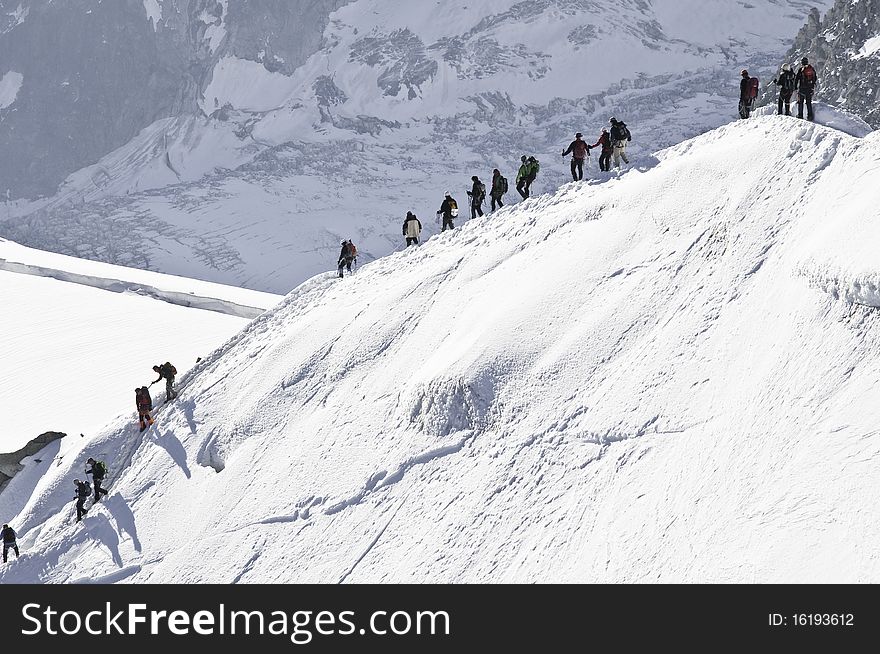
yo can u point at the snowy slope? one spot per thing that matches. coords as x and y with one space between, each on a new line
397 105
77 336
663 377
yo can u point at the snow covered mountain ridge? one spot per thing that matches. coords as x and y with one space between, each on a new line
662 377
267 137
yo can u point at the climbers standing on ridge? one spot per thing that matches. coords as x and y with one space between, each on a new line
477 195
748 93
98 472
346 257
412 229
786 84
144 404
81 495
805 83
167 372
499 188
620 137
579 151
448 211
605 156
9 543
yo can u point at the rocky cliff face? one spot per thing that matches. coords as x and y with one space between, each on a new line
10 464
81 78
845 49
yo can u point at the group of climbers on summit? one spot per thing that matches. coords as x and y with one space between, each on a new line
804 82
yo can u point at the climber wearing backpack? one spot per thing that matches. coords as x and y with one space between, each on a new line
477 194
605 157
83 490
744 94
448 211
579 151
499 188
748 93
412 229
528 172
347 256
523 180
620 137
786 84
167 372
534 169
805 83
9 543
98 471
144 404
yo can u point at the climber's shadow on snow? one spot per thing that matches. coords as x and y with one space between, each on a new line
175 449
123 516
102 530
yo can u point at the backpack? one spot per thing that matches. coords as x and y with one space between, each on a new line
481 189
502 185
100 468
809 75
170 370
626 134
754 87
88 488
453 208
787 82
352 250
536 167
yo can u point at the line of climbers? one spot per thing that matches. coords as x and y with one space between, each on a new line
804 82
612 144
83 490
98 469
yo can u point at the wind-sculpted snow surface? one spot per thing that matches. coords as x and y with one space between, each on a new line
297 133
633 381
